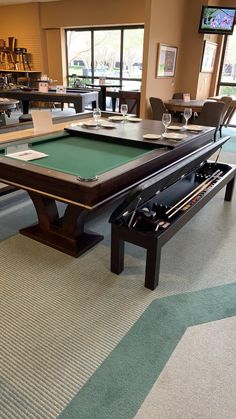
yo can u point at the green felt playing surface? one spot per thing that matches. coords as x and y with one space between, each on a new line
84 157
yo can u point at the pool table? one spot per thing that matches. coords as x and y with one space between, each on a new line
87 168
80 100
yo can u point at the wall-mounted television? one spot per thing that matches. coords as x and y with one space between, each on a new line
217 20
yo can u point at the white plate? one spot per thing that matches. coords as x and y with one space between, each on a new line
89 124
75 124
195 128
175 127
133 119
107 126
151 136
116 118
174 136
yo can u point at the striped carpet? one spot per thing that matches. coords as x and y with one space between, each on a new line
61 317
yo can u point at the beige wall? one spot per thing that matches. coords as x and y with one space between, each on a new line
53 66
77 13
37 26
23 23
176 22
163 24
69 13
201 85
198 84
219 40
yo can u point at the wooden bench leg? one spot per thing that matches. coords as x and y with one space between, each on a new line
117 252
229 190
153 260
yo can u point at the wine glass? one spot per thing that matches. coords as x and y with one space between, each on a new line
187 114
124 110
96 115
166 120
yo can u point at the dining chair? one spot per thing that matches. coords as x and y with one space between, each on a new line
22 59
227 111
132 99
158 108
211 115
179 95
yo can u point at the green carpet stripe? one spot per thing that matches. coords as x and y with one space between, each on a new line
120 385
231 144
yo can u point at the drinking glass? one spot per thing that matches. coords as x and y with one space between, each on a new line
96 116
124 110
166 120
187 114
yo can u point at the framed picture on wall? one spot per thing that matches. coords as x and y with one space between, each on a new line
208 57
166 60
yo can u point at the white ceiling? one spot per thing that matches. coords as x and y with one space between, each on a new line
9 2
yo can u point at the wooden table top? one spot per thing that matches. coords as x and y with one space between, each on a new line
178 105
104 85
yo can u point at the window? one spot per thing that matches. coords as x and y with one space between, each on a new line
227 80
112 52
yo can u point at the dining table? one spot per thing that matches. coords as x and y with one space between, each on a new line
178 105
103 92
27 95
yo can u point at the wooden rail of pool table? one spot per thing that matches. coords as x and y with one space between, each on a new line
79 100
16 134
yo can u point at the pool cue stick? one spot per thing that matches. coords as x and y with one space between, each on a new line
134 212
203 188
192 192
197 193
218 155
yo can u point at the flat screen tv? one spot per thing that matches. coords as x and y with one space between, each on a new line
217 20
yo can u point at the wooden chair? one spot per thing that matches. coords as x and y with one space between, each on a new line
21 59
211 115
7 58
229 115
178 96
2 46
178 116
158 108
132 99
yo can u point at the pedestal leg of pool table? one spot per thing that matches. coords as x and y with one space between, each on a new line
67 233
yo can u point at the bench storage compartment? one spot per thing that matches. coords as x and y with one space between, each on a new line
159 207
